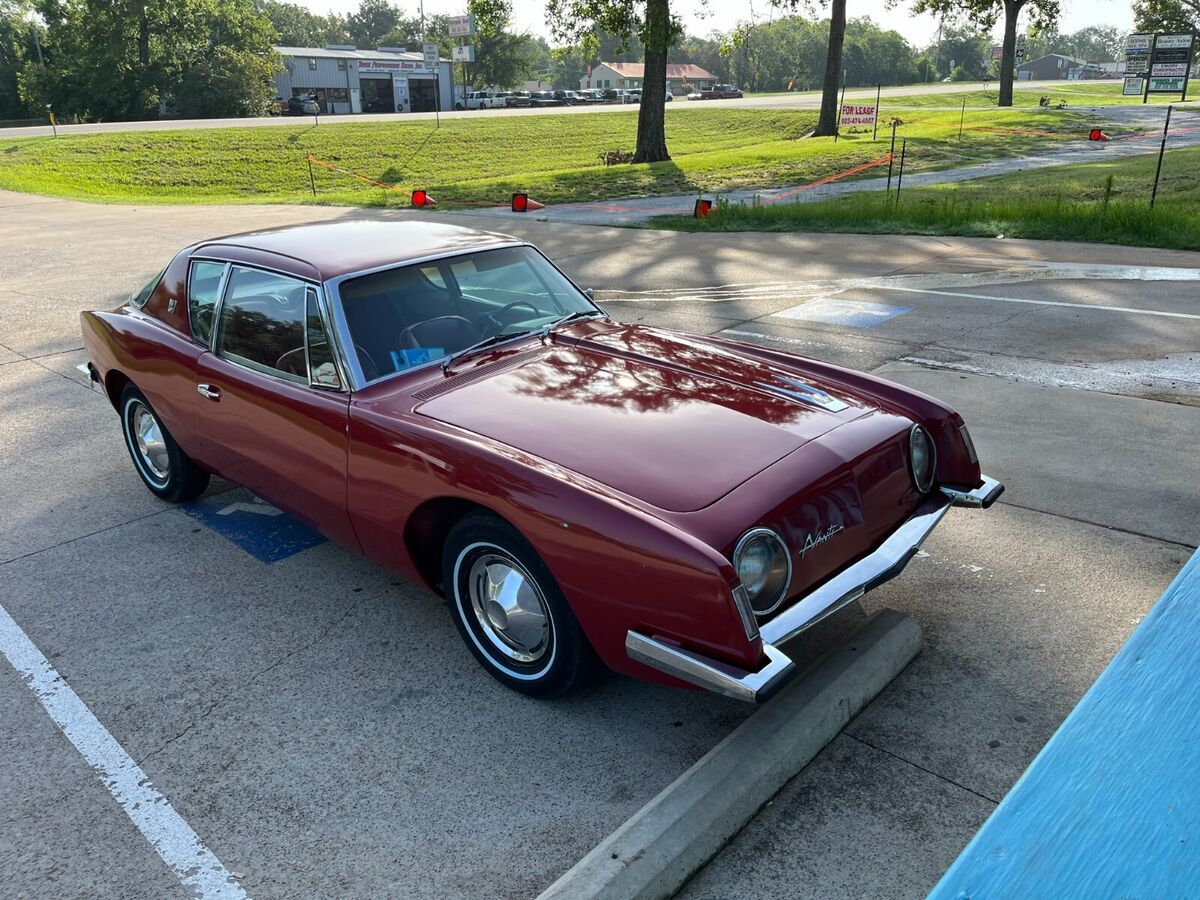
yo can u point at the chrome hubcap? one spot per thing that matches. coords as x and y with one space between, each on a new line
509 607
148 436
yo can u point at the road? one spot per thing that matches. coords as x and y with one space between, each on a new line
320 727
806 100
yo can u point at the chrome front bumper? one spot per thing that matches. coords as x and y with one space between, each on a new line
884 563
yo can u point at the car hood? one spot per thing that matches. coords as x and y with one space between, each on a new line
672 421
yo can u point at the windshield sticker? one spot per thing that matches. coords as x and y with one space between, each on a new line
406 359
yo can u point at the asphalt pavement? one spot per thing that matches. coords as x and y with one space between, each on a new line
320 727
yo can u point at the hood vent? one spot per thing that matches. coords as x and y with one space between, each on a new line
804 392
456 381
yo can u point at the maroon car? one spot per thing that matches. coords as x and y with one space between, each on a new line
448 403
721 92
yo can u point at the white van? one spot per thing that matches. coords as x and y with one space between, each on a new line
483 100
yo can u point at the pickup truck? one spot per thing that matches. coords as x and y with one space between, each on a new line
721 92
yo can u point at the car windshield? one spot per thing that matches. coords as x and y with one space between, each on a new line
411 315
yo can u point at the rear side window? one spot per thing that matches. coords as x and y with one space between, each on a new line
204 288
322 366
263 323
143 296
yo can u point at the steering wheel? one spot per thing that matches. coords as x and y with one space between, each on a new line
369 368
493 319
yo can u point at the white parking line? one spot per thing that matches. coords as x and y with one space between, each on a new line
1092 306
170 836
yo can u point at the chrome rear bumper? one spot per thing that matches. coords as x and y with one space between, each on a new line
884 563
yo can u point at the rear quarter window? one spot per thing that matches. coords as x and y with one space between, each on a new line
142 297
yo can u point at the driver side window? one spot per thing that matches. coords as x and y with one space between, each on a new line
263 323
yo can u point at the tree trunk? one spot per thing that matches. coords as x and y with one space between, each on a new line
1008 60
652 136
827 126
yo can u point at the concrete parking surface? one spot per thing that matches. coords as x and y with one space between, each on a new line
322 729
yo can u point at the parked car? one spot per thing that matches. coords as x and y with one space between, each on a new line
519 99
591 95
303 106
669 97
567 98
379 105
482 100
617 95
449 404
721 92
544 98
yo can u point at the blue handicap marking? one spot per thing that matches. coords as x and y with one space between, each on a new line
1109 807
851 313
266 533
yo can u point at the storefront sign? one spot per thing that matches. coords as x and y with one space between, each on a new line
461 26
853 114
464 54
432 56
1134 85
997 54
389 65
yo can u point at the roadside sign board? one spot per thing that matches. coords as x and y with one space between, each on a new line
465 53
1170 62
1167 85
1134 85
997 54
432 56
1020 49
857 114
461 26
1137 53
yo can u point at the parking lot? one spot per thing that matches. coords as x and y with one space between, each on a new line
324 732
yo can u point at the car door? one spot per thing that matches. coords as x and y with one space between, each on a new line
270 401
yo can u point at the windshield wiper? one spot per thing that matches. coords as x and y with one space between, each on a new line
571 317
479 345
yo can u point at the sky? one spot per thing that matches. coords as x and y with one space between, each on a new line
722 15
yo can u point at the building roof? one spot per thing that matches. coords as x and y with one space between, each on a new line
1071 59
331 53
674 70
331 249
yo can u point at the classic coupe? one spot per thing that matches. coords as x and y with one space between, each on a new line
448 403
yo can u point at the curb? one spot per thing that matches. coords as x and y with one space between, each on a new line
653 853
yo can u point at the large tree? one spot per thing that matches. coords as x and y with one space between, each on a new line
651 22
131 59
502 57
296 26
1167 15
985 14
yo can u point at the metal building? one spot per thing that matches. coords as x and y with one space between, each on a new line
345 80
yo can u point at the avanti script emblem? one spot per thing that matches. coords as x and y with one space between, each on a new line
816 538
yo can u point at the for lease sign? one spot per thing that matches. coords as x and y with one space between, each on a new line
853 114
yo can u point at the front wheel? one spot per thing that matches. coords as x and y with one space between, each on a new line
165 469
510 611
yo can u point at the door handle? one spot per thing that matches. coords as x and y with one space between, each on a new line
209 391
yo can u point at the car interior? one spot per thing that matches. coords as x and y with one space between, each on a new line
410 315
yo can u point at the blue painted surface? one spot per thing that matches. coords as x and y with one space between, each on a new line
1111 806
851 313
258 528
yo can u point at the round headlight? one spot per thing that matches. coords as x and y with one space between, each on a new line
764 568
922 458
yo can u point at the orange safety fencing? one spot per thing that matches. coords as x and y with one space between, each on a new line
882 161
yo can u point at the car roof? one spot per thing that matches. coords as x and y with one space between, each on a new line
326 250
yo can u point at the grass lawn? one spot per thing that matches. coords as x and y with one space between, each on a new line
554 158
1103 201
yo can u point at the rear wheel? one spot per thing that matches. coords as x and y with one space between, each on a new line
510 611
164 468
